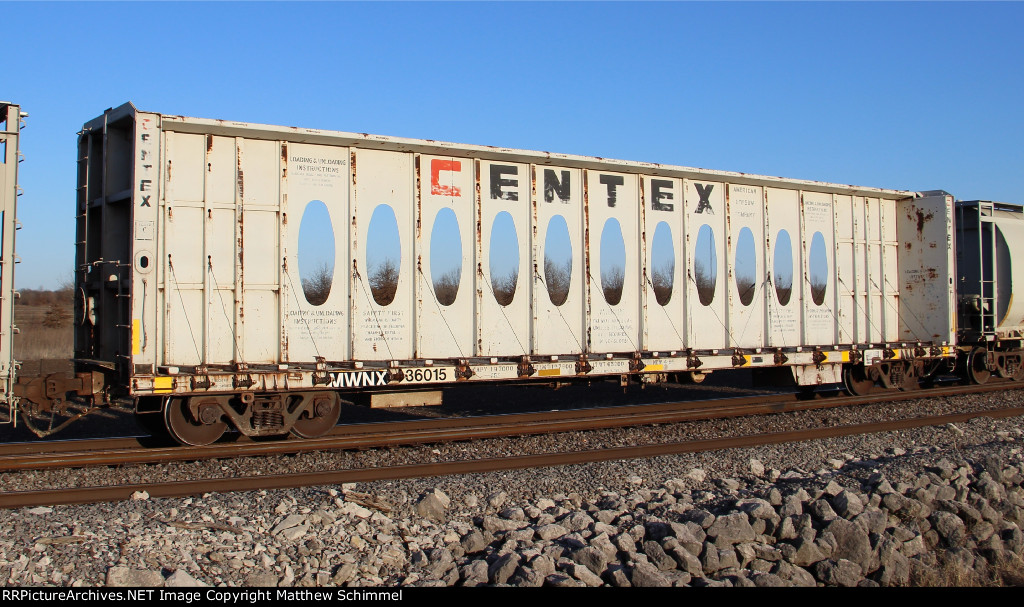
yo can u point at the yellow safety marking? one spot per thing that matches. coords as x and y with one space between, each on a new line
163 384
548 372
136 348
654 367
833 357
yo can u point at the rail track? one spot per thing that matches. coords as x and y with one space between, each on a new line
124 451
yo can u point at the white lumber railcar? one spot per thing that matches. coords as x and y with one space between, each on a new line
188 273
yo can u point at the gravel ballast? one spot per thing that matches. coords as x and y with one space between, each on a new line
893 508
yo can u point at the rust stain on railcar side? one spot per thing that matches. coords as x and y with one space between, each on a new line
479 214
533 245
419 201
645 280
922 219
478 252
239 210
240 177
352 203
284 183
644 260
586 263
283 326
419 253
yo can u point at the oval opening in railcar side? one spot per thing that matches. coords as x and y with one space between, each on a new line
504 258
705 265
663 263
745 267
383 254
446 256
613 261
316 253
817 264
783 270
557 260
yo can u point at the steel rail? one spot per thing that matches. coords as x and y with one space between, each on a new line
387 434
81 495
364 428
391 434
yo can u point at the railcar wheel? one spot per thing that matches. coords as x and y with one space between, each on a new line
856 381
197 430
326 410
977 366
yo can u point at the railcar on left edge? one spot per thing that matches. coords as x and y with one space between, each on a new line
10 155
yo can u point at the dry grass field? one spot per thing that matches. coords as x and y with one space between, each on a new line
951 573
37 341
44 319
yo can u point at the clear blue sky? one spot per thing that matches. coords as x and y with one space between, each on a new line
907 95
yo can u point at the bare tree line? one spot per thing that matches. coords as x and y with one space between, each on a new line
706 278
504 286
446 286
557 277
747 286
612 281
317 288
662 279
383 281
58 303
818 288
783 288
43 297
